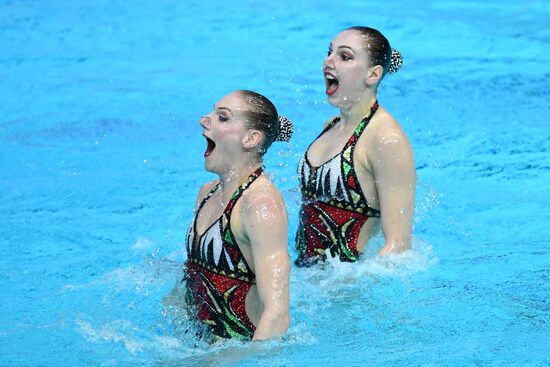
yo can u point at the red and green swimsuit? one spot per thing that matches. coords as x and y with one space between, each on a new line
217 276
334 208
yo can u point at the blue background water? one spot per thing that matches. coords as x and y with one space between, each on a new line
101 159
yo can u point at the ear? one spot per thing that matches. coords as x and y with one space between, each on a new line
374 75
252 139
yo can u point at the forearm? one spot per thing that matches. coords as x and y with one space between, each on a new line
273 322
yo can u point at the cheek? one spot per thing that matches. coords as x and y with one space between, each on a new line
354 76
350 81
229 134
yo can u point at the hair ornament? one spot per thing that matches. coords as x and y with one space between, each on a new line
396 61
285 129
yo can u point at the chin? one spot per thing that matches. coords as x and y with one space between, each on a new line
341 101
331 101
208 166
334 101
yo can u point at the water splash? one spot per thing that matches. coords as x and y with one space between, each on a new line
334 275
115 331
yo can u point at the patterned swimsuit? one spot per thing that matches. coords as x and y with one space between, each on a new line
334 208
217 275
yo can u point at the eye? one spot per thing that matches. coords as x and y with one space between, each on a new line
346 57
222 117
329 52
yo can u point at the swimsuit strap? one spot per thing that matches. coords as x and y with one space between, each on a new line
203 201
237 194
358 130
362 126
327 128
210 193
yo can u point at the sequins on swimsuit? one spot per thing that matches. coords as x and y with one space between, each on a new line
217 275
334 208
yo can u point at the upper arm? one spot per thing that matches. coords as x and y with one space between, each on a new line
266 224
391 159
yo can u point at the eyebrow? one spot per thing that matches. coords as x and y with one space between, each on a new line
330 47
347 47
222 108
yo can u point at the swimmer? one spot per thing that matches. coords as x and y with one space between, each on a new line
359 174
237 270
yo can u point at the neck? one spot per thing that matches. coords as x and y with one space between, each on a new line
357 109
236 175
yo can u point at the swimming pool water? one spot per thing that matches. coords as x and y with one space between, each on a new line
101 160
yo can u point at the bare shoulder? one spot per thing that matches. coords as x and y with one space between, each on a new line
386 132
262 194
263 217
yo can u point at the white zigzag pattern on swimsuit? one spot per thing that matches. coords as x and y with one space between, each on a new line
212 240
303 170
331 169
190 238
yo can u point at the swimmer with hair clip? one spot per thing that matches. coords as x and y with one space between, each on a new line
237 270
358 175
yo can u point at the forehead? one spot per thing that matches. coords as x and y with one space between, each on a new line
232 101
350 38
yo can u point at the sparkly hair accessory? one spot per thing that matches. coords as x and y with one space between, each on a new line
285 129
396 61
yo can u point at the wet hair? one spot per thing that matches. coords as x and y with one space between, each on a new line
379 49
262 115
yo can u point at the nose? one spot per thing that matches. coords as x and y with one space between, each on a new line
205 122
329 61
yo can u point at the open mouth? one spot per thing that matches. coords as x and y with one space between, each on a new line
331 84
210 145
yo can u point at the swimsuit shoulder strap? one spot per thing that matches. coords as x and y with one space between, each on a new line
205 199
362 126
329 126
227 233
237 194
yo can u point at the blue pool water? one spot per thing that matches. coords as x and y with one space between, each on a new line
101 160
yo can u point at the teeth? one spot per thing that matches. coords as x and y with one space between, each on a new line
330 77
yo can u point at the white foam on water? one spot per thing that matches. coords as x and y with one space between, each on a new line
115 331
417 259
142 244
171 340
152 271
